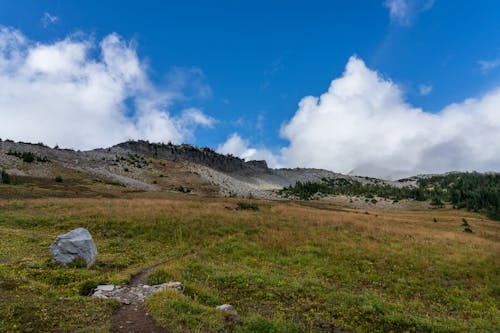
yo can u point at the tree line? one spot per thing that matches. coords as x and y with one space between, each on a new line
473 191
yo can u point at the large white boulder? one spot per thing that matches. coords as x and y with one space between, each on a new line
77 243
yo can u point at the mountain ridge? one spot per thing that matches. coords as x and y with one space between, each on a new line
141 166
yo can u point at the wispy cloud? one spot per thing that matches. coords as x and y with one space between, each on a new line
425 89
48 19
403 12
488 65
83 95
189 82
277 66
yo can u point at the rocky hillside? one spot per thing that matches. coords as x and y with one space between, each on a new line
189 153
144 166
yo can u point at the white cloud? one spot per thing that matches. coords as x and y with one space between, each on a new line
488 65
364 120
425 89
64 93
193 116
362 123
48 19
237 146
404 12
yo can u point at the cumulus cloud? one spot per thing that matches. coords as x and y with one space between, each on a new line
404 12
363 123
237 146
80 94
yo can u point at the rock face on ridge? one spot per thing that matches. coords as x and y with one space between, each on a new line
184 152
77 243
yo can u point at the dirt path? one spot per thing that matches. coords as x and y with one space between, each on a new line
135 318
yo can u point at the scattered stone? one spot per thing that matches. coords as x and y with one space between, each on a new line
227 308
173 285
184 189
133 295
99 294
76 244
232 314
105 287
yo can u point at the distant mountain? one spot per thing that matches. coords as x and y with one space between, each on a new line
376 171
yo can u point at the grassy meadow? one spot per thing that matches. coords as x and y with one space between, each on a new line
285 267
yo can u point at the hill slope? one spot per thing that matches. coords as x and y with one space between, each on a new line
144 166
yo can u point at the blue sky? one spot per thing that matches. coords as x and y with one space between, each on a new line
245 65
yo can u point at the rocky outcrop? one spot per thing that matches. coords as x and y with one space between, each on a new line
132 294
76 244
188 153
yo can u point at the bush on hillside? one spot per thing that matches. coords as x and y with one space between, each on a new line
5 177
247 206
27 156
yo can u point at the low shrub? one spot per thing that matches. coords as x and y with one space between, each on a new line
158 277
27 156
87 287
247 206
78 263
5 177
466 226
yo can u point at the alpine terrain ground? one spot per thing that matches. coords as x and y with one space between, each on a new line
287 261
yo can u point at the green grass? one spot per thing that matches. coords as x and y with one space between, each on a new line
285 268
